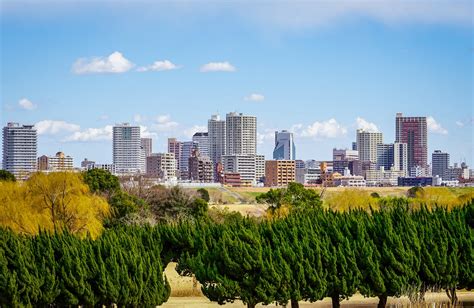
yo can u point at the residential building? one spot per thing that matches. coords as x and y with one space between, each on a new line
56 163
367 145
284 146
241 134
202 139
201 168
231 179
260 168
354 145
439 163
19 149
161 165
147 146
175 146
86 162
187 148
108 167
279 172
413 132
308 176
127 150
349 181
341 159
243 164
382 177
359 167
392 156
415 181
217 138
300 164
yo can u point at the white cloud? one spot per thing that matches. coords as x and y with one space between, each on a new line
218 67
114 63
164 123
159 66
51 127
26 104
145 133
265 136
326 129
366 126
192 130
91 134
255 97
138 118
435 127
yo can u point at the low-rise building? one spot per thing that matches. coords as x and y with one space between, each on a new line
161 165
56 163
349 181
109 167
279 172
382 177
231 179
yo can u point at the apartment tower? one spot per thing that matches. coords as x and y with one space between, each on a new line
413 132
128 156
19 149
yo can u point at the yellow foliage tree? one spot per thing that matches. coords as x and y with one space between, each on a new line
52 202
348 199
440 196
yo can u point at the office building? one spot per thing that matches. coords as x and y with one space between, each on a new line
367 145
439 163
382 177
308 176
127 150
241 134
217 138
56 163
413 132
201 168
161 165
175 146
187 148
202 139
341 159
392 156
279 172
19 149
284 146
147 146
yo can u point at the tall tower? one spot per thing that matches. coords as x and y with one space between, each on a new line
367 145
175 146
217 138
202 138
413 132
147 145
19 149
128 156
440 163
241 134
284 146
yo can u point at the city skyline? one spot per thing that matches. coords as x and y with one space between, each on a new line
96 64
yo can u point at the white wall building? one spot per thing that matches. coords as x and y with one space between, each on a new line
109 167
202 139
243 164
19 149
128 155
217 138
241 134
367 145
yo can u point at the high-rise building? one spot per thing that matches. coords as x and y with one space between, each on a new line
201 168
202 139
284 146
243 164
279 172
217 138
127 150
367 145
260 168
413 132
161 165
58 162
341 159
19 149
439 163
147 146
175 146
187 148
241 134
392 156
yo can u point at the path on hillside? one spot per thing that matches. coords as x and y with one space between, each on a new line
232 193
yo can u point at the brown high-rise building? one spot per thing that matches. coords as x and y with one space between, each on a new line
175 146
413 132
279 172
200 168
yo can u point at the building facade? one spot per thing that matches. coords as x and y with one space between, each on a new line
284 146
187 149
392 156
147 146
413 132
279 172
439 163
202 139
19 149
217 138
108 167
161 165
241 134
341 159
56 163
201 168
128 155
175 146
245 165
367 145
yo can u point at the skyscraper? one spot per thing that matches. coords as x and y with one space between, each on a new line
241 134
147 145
187 148
367 145
217 138
174 146
19 149
440 163
128 155
413 132
202 139
392 155
284 146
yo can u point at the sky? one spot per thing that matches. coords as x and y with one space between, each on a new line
320 69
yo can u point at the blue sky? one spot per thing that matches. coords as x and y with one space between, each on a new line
320 69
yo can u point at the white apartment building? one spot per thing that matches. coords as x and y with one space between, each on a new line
241 134
19 149
56 163
259 168
217 138
128 155
382 177
367 145
108 167
243 164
